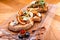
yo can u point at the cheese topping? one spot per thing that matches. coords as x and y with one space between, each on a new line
13 23
39 14
33 2
31 14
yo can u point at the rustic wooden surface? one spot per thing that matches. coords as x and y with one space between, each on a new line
10 7
54 31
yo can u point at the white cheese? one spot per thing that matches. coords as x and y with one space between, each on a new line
33 2
25 18
31 14
12 24
31 9
39 14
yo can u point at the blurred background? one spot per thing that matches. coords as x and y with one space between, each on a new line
10 7
16 4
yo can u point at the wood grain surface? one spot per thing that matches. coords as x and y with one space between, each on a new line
10 7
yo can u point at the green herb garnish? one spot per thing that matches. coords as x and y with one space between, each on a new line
40 2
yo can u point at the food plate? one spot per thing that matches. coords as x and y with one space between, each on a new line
29 16
38 30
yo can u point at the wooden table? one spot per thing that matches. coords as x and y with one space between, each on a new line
54 31
10 7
